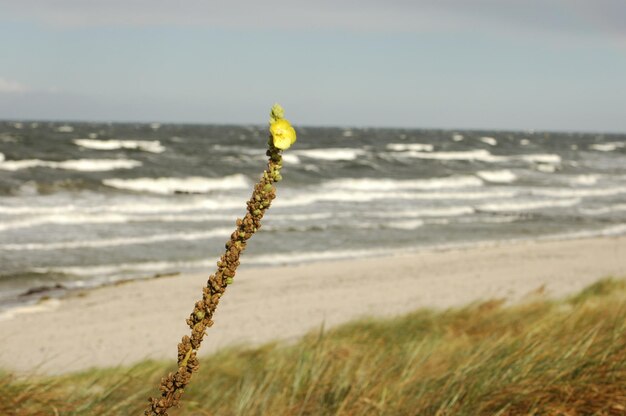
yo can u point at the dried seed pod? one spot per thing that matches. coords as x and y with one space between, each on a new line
172 386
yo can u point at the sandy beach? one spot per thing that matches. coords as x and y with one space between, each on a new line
122 324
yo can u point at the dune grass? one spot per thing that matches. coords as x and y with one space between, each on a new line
542 357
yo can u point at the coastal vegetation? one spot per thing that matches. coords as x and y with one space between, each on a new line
539 357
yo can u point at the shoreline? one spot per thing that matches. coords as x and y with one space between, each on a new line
140 319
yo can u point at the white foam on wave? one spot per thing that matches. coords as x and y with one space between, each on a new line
457 137
193 184
359 196
404 225
470 155
122 241
152 146
578 193
419 147
291 159
72 218
585 180
375 184
65 129
607 147
114 271
611 231
148 207
545 168
489 140
482 155
331 154
127 268
497 176
527 205
546 158
83 165
604 210
425 212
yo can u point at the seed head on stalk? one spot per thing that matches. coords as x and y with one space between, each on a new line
282 136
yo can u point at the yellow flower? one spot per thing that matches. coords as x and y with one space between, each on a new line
283 134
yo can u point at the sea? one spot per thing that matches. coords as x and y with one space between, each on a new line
84 205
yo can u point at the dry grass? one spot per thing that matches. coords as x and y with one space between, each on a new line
541 358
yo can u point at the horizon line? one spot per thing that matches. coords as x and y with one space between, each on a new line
322 126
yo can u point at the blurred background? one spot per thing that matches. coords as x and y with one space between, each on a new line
131 132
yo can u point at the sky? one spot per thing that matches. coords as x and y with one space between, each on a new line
454 64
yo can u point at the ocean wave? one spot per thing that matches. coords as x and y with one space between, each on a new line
152 146
419 147
121 241
544 158
291 159
404 225
607 147
122 269
470 155
527 205
375 184
482 155
331 154
604 210
497 176
489 140
83 165
354 196
73 218
578 193
191 184
585 180
149 207
425 212
117 271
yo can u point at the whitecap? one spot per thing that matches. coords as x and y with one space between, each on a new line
404 225
604 210
359 196
545 168
527 205
291 159
152 146
585 180
331 154
453 211
121 241
375 184
83 165
457 137
418 147
193 184
497 176
607 147
578 193
541 158
65 129
489 140
470 155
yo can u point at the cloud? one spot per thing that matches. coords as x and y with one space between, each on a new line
571 17
12 87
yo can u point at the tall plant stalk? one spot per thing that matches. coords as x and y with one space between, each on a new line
282 136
